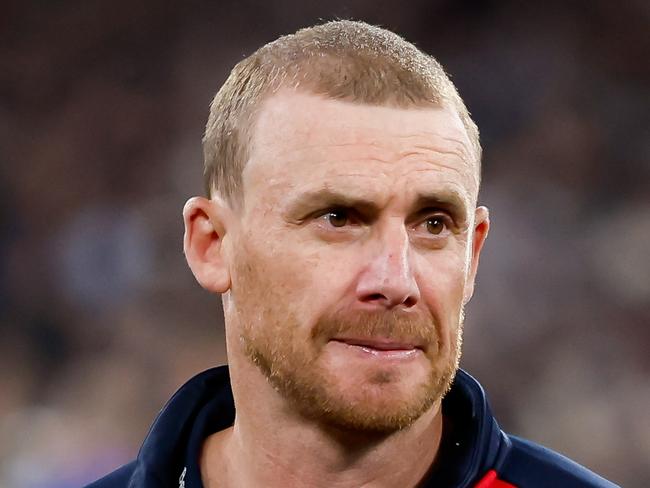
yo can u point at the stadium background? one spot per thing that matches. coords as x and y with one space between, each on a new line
101 113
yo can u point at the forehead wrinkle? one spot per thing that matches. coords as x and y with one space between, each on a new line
458 188
347 135
423 150
427 171
391 169
440 160
343 182
371 137
436 161
370 152
301 145
436 165
426 154
458 149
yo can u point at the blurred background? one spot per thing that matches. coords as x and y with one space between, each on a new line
102 108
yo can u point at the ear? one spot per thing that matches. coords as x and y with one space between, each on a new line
481 229
205 228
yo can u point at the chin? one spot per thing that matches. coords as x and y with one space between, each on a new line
379 401
378 412
352 390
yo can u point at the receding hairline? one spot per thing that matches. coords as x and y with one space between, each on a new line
342 60
466 153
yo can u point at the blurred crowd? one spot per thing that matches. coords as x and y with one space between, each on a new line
102 107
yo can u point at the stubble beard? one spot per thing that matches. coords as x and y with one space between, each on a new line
290 363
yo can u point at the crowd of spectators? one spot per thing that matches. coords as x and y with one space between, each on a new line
102 106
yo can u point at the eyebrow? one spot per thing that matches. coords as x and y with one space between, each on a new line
446 199
449 200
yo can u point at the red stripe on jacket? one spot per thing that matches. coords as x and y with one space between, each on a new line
491 480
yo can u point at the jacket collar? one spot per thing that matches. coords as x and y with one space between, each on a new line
472 441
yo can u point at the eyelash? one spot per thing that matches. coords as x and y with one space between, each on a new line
349 216
346 212
439 217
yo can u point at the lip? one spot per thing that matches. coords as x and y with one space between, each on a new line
381 347
380 344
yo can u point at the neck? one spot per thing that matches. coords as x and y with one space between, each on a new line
271 446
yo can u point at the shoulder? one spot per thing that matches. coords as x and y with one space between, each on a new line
117 479
529 465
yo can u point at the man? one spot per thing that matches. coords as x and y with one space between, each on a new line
342 232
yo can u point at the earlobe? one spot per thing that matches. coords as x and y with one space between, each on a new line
481 229
205 229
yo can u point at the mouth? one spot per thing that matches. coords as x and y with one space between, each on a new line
381 347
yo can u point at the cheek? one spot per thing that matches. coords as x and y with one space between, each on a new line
260 273
441 278
273 276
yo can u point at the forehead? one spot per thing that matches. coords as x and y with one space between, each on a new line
301 139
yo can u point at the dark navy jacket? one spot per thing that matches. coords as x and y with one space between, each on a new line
474 452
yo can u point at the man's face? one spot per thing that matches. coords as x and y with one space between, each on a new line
353 257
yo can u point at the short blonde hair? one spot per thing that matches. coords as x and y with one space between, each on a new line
345 60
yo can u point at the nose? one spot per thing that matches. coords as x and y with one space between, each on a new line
388 280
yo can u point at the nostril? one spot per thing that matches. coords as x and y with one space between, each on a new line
407 301
410 301
375 297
